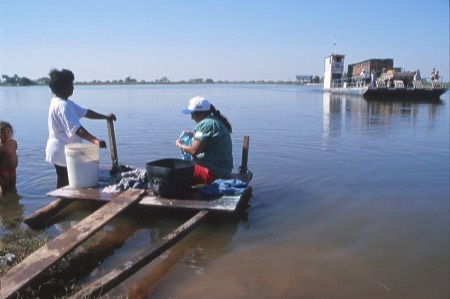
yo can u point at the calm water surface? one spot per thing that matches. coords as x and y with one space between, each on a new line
350 200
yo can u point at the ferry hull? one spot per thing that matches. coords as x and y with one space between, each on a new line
391 93
392 84
396 93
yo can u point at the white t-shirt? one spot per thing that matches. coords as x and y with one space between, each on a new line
63 122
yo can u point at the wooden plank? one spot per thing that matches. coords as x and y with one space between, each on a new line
41 216
225 203
84 193
44 215
31 268
197 201
119 274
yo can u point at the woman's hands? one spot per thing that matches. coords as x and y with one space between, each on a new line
178 142
83 133
194 149
99 142
111 116
91 114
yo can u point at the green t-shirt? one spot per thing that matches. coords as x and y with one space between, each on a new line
217 154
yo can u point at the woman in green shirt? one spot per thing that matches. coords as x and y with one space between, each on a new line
211 146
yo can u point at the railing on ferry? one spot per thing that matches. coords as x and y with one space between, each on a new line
354 82
349 82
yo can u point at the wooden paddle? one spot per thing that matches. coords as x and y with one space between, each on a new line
112 147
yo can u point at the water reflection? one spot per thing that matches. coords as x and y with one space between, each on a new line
371 203
339 109
140 228
403 108
11 212
189 257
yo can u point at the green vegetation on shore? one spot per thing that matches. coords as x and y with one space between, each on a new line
16 80
24 81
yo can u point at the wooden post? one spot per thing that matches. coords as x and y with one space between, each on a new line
112 147
43 215
243 168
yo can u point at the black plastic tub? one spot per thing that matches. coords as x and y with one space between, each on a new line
171 178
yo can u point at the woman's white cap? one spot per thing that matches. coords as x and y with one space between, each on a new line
197 104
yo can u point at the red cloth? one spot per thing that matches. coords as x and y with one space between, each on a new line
203 175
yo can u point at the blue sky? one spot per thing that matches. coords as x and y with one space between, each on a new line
221 40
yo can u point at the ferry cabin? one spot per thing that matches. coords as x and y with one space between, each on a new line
378 65
334 71
335 77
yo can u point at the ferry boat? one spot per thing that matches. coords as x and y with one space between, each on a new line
378 78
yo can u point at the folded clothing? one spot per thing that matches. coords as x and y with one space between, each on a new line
224 187
130 179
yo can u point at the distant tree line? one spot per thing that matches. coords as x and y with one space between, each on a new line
16 80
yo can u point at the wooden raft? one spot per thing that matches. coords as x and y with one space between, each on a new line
31 268
225 203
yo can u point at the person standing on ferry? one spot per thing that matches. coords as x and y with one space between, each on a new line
362 77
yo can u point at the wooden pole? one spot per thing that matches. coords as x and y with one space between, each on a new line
112 147
245 146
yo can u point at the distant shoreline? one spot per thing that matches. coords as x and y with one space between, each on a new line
176 83
446 84
16 80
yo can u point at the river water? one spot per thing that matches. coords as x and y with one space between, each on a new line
350 197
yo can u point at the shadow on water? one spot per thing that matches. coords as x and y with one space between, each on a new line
207 242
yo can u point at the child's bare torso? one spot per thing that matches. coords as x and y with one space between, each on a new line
8 155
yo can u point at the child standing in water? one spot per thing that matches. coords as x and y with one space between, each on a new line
8 158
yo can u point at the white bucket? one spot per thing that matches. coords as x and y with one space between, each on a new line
82 164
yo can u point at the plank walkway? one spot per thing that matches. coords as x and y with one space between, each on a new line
32 267
119 274
225 203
